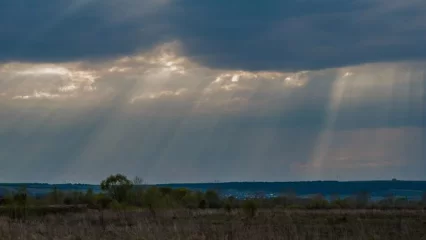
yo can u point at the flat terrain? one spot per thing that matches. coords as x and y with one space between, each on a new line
217 224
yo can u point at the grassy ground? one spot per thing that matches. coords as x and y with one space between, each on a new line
216 224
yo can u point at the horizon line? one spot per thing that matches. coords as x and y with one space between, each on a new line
227 182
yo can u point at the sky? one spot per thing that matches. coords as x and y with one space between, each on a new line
213 90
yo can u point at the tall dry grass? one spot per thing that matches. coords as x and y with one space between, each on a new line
217 224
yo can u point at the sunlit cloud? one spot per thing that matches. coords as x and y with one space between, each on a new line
348 74
162 73
26 81
297 80
38 95
162 94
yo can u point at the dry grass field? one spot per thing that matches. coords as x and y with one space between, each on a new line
217 224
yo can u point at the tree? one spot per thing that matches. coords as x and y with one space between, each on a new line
179 193
138 183
56 196
213 199
117 186
165 191
229 204
89 197
153 197
136 195
21 197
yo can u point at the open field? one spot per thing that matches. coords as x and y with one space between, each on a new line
129 210
217 224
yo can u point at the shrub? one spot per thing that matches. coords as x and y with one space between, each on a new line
165 190
190 200
89 197
250 207
20 198
340 204
151 196
179 194
213 199
295 206
115 205
135 197
401 203
318 202
230 203
104 201
8 199
68 201
56 196
362 199
202 204
228 207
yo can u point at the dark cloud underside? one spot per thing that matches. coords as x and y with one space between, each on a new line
234 34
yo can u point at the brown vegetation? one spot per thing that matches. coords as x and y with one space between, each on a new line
220 224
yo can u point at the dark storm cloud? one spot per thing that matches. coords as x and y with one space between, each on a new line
301 34
62 30
275 34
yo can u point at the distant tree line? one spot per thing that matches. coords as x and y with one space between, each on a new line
120 193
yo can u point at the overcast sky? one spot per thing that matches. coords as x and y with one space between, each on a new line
198 91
